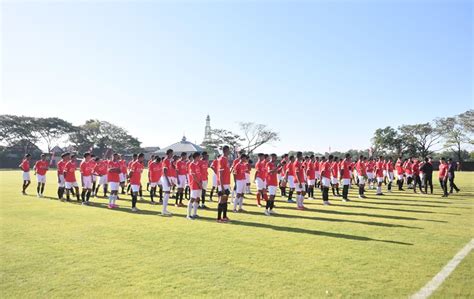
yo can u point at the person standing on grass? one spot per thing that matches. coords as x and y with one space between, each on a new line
101 170
113 179
282 182
334 177
300 181
134 158
325 168
427 169
239 178
361 175
452 166
182 172
290 177
152 158
272 184
70 178
41 167
25 167
195 185
389 169
310 175
345 177
123 174
204 164
60 172
154 170
400 173
259 178
379 167
86 168
416 176
135 175
443 176
93 176
168 181
214 176
223 185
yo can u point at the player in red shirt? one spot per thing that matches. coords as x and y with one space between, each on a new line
168 180
187 189
310 175
123 173
325 169
334 177
155 170
260 177
223 185
416 175
300 181
400 173
41 167
361 176
204 164
345 176
134 158
281 175
87 168
317 172
70 178
152 158
25 167
239 178
135 175
369 166
389 169
195 185
182 173
408 166
443 176
100 170
113 179
272 183
60 173
290 177
214 176
379 167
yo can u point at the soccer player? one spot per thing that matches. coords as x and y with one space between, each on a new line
247 177
345 177
187 190
195 184
214 176
370 165
41 166
135 175
155 174
70 177
272 184
168 180
240 182
334 177
361 175
317 172
134 158
123 173
416 175
152 158
310 175
223 185
290 177
427 169
379 167
260 177
60 170
443 176
389 168
204 163
283 167
325 168
86 168
300 184
400 173
94 177
408 166
451 170
182 172
101 170
113 179
25 166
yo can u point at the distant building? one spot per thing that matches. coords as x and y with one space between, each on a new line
207 131
183 146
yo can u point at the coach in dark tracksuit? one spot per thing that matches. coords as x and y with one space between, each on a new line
427 169
451 169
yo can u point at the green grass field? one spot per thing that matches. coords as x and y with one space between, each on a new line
379 247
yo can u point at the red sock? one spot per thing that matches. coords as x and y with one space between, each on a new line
258 198
265 196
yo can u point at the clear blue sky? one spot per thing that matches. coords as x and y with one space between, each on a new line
321 73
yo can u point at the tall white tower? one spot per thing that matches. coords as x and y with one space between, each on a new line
207 130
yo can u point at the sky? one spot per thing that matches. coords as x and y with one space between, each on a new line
320 73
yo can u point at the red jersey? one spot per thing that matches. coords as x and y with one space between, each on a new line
223 166
443 170
101 168
272 177
123 166
214 165
370 166
70 172
416 168
86 168
325 168
60 166
249 168
316 165
41 167
260 168
379 169
310 170
335 169
129 165
203 164
235 162
290 168
284 168
408 167
299 171
360 167
346 168
136 170
389 166
181 167
239 171
195 175
399 167
156 170
169 166
25 165
113 176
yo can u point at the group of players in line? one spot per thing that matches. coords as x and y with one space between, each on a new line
187 176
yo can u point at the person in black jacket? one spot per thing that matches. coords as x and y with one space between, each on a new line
427 169
451 169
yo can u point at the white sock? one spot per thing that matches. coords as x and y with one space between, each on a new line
241 202
379 189
110 199
190 207
302 200
195 206
165 202
236 202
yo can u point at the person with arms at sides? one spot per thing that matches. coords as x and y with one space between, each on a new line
93 176
101 170
134 158
282 182
310 175
452 166
408 166
345 177
325 168
334 177
247 177
379 167
182 172
389 169
123 173
187 189
290 177
168 180
195 184
41 167
204 164
135 175
260 177
443 176
369 166
317 172
300 181
86 168
70 178
223 185
239 177
416 175
427 169
113 179
155 174
400 173
361 175
152 158
272 184
61 182
214 176
25 167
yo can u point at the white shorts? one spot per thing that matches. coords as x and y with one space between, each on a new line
61 181
334 181
302 189
135 188
94 178
317 174
26 176
361 180
370 175
196 193
87 182
214 180
69 185
204 185
326 182
384 173
279 177
346 182
240 186
247 178
153 184
291 182
103 180
114 186
390 176
164 183
379 179
41 178
260 184
400 177
122 177
182 181
311 182
272 190
409 175
226 187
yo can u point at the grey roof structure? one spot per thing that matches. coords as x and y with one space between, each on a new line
180 147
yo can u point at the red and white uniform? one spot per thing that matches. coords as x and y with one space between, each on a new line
41 167
155 169
261 174
195 179
214 175
272 178
182 171
239 174
310 173
25 166
223 174
101 169
300 176
204 174
389 169
346 172
113 174
123 171
171 174
370 165
136 170
334 173
70 175
399 169
290 170
379 167
86 168
361 171
325 169
60 166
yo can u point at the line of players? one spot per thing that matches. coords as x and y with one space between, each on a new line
187 176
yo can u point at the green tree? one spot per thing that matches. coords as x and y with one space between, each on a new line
256 135
52 129
221 137
18 129
420 138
